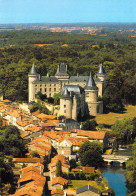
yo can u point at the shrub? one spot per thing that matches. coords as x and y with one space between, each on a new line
71 176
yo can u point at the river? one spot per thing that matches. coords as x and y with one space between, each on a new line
115 175
116 179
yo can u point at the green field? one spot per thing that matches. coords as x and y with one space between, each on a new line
110 118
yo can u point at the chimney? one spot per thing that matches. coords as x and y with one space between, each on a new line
66 68
77 75
39 77
58 69
48 75
40 170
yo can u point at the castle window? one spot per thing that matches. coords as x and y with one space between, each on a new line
40 85
64 111
36 90
50 95
45 89
41 89
49 89
45 85
54 84
50 84
54 89
64 106
87 94
35 85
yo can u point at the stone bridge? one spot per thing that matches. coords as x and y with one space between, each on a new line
115 158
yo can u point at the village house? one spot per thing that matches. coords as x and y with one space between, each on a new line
41 146
92 136
27 161
86 170
57 192
31 181
68 124
69 192
52 165
88 190
59 183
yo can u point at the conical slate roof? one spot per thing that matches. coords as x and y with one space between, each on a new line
32 70
65 93
90 84
101 70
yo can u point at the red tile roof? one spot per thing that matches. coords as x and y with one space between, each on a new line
50 123
34 128
88 170
92 134
43 117
25 134
57 192
59 180
28 160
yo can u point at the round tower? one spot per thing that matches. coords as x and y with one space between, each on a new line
66 104
74 108
101 73
101 84
32 76
91 96
91 90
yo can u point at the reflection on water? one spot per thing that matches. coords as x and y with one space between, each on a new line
116 179
124 151
116 175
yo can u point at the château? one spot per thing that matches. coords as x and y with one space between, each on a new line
79 94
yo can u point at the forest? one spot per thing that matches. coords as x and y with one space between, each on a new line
81 52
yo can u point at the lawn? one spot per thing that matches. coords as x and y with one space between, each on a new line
110 118
79 183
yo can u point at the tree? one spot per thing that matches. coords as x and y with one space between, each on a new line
131 171
0 121
90 154
57 98
39 106
7 179
59 168
72 163
89 125
113 101
41 96
123 130
35 154
11 142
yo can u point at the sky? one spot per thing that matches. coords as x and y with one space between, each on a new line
67 11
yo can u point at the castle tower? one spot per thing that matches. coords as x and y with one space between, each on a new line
91 96
101 73
61 73
91 90
101 84
32 76
74 108
66 104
